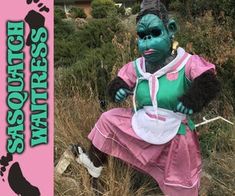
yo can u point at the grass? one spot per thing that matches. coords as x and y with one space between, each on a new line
74 118
77 111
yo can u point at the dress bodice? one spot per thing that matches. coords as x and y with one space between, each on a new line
170 89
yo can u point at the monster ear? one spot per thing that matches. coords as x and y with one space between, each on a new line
172 27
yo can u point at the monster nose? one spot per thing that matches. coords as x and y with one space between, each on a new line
147 37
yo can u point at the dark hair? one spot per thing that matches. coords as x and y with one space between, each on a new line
153 7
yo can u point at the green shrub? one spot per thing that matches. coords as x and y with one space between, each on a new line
77 12
216 43
98 31
103 8
64 29
135 8
192 8
83 51
83 73
102 2
177 6
66 50
120 10
58 14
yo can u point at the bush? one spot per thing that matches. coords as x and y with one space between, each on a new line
83 73
216 43
58 14
65 47
121 10
98 31
192 8
103 8
136 8
67 51
77 12
64 29
83 51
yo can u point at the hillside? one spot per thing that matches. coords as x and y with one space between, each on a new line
83 48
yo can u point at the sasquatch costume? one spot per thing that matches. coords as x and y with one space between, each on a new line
156 136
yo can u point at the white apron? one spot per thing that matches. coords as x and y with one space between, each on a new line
152 124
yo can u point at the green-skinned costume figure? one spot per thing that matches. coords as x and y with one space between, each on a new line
156 136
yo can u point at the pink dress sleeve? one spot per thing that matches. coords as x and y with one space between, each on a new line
196 66
128 74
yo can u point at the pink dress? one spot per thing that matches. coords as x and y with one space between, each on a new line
175 165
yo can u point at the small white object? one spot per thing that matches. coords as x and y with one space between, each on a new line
205 121
84 160
64 162
118 4
128 11
66 9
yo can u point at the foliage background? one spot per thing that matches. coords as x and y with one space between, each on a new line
107 41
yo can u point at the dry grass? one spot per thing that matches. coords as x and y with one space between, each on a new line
76 114
221 167
75 117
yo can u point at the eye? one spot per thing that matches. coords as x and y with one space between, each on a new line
156 32
141 34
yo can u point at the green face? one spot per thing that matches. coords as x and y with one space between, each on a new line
154 41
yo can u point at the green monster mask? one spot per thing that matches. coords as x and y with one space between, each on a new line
154 41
